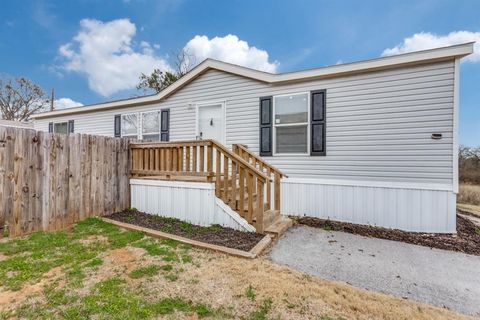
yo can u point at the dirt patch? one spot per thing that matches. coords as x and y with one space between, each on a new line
117 262
7 298
467 239
217 235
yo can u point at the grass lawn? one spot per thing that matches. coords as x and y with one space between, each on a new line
98 271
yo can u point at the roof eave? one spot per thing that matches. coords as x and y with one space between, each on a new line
413 58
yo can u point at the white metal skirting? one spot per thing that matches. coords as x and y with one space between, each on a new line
194 202
410 209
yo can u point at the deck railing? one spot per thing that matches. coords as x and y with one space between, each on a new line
237 182
274 174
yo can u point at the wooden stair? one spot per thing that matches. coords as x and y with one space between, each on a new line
273 222
243 180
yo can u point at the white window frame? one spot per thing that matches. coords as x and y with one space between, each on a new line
140 127
137 135
274 125
58 122
199 105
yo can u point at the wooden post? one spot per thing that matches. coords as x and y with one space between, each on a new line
233 183
187 158
259 211
218 170
250 197
225 179
209 161
241 202
180 159
269 189
202 158
157 159
277 191
194 160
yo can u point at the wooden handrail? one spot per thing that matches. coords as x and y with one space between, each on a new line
269 170
206 142
244 148
257 172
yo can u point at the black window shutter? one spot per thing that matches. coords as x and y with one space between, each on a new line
117 126
266 126
50 127
165 125
71 128
318 123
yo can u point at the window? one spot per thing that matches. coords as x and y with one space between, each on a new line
151 126
60 127
130 125
291 117
144 126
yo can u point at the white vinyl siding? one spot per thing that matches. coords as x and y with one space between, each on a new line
378 124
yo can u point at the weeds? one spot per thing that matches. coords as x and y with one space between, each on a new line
262 312
34 255
148 271
250 293
109 299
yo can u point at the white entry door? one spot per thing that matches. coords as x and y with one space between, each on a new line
211 122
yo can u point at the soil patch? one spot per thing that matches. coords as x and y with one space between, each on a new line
215 234
467 239
7 298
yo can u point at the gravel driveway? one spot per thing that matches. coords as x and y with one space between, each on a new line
442 278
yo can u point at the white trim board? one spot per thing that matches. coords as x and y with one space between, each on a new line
456 112
406 59
374 184
177 184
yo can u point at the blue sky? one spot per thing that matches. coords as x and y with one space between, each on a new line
91 51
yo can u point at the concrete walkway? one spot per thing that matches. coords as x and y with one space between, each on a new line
442 278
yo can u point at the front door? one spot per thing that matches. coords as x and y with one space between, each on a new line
211 122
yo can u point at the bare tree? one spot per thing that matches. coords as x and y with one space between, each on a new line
184 62
20 98
159 80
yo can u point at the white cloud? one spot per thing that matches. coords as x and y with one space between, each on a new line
427 40
104 52
230 49
65 103
107 54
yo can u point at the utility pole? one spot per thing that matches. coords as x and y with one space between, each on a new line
52 99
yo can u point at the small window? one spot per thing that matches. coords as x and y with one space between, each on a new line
151 126
291 114
129 125
60 127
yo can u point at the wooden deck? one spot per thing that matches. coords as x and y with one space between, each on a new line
244 181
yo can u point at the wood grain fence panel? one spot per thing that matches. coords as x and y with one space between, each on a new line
49 181
2 171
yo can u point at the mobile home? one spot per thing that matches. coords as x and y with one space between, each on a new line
371 142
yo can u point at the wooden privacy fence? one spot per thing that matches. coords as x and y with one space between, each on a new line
49 181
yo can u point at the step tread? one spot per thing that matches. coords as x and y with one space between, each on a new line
279 226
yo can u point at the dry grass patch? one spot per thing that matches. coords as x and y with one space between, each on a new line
469 209
469 194
228 281
130 277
